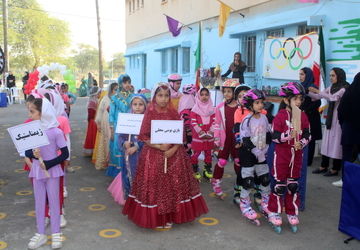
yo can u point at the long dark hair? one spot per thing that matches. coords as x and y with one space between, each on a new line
241 63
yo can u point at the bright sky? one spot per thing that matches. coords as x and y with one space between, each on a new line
81 16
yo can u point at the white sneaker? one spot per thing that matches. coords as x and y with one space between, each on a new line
37 241
338 183
56 241
65 192
63 222
47 221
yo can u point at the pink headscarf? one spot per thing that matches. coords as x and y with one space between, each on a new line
205 110
187 101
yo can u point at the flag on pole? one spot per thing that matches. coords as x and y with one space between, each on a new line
198 59
174 26
308 1
223 17
322 54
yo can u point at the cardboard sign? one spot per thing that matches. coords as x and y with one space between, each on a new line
129 123
28 136
167 132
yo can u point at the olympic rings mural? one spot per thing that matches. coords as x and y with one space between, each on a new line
289 54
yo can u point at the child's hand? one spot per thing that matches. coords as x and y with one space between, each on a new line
237 145
169 153
42 165
293 134
131 151
211 134
298 146
201 133
165 147
314 90
36 153
127 145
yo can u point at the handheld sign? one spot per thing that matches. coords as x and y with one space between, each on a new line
167 132
28 136
129 123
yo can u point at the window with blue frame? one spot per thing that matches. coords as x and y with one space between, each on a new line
275 33
249 52
174 54
185 60
164 62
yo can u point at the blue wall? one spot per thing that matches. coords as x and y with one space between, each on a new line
341 26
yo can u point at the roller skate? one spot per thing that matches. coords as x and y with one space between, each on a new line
293 221
248 211
207 173
215 183
197 174
264 202
275 221
236 198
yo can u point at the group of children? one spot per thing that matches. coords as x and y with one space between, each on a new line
157 196
239 127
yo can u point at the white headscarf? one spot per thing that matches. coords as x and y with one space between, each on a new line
56 100
156 86
48 115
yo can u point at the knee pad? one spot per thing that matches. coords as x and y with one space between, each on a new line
264 179
248 183
292 185
280 188
222 162
237 161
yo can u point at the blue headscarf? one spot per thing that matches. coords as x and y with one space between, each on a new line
309 79
139 96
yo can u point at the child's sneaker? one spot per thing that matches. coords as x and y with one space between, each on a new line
56 241
63 222
37 241
65 192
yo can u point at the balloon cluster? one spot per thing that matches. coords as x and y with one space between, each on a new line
31 83
44 70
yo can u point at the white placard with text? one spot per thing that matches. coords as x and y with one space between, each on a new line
129 123
167 131
28 136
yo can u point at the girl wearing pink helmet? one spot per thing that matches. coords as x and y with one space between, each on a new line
288 156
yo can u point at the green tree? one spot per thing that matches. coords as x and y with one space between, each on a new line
86 58
116 66
35 38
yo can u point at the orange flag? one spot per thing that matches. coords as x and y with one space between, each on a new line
223 17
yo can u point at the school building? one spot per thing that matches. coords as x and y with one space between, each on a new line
275 37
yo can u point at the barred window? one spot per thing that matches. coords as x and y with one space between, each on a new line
304 29
174 60
164 62
249 52
186 60
275 33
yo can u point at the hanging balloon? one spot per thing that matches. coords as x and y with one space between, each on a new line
33 79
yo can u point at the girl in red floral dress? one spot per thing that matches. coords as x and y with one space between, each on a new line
160 199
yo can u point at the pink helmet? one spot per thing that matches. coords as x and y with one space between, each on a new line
189 89
290 89
174 77
251 96
231 83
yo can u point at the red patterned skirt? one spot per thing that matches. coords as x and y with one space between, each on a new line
158 198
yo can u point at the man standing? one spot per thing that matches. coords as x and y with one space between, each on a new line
10 80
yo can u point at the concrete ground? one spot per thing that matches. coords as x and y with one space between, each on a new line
318 228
